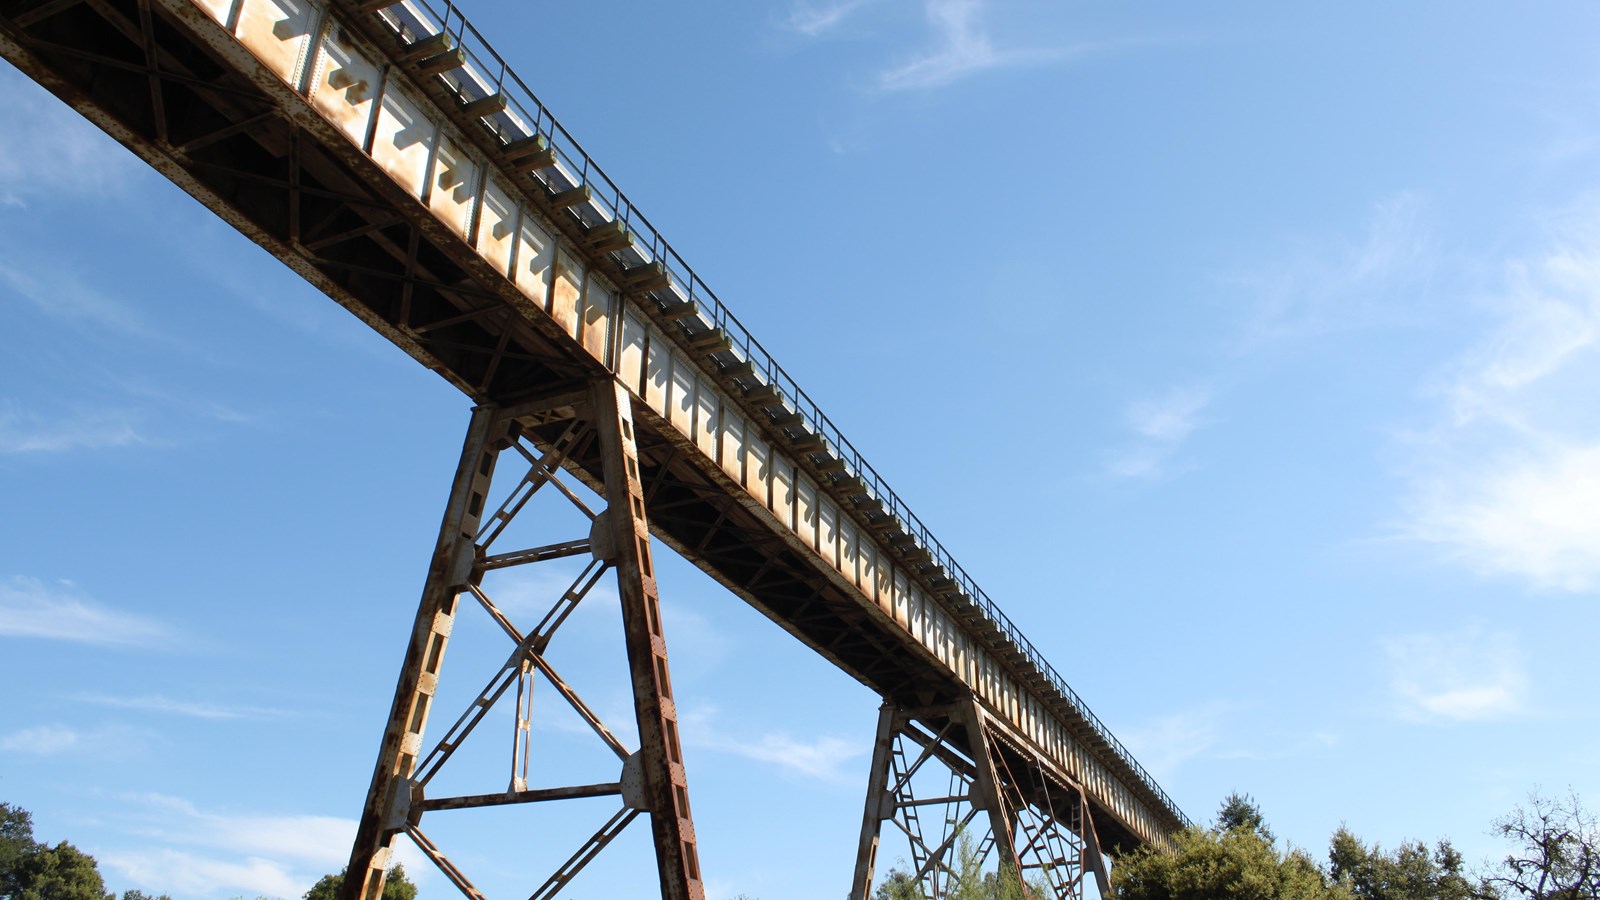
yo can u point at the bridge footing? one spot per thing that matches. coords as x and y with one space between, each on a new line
991 796
651 779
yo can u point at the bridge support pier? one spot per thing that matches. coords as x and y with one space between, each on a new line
651 778
994 796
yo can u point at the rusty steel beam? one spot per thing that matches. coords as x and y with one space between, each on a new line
448 574
677 856
877 806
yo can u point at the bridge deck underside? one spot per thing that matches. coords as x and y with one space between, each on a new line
213 122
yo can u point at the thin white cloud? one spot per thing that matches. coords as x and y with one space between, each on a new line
43 740
25 432
962 48
59 293
1163 744
1161 425
1340 285
823 758
1172 417
1507 478
206 853
58 740
30 608
1465 675
1532 517
1213 730
815 19
185 873
188 708
59 152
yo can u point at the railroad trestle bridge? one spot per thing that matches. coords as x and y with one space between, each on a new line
386 153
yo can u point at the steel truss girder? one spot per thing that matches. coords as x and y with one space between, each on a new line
1036 821
152 46
652 779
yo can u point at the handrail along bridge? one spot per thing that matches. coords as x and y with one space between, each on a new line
386 153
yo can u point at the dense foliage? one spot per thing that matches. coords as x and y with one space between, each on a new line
1204 864
1555 856
396 887
32 870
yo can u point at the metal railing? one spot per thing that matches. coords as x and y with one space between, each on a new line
486 74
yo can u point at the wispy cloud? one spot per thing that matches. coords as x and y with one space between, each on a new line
1214 730
212 854
187 873
822 758
44 740
59 293
1342 284
30 608
25 432
962 48
57 740
1161 425
1526 513
1469 674
814 19
1506 478
59 152
156 703
1163 744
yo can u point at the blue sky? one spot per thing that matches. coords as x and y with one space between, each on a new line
1245 354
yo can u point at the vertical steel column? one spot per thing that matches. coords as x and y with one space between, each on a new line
660 751
1091 848
448 574
878 800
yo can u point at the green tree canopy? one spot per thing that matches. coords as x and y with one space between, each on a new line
396 887
62 872
1240 811
1236 863
16 845
1411 872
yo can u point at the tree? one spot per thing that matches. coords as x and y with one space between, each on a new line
141 895
968 881
898 885
16 845
1557 852
62 872
1411 872
1236 860
396 887
1240 811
